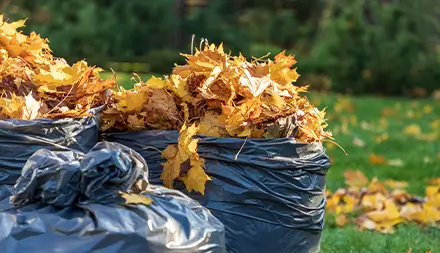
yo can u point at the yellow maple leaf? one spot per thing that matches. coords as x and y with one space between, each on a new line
196 177
434 201
210 125
176 155
376 187
171 168
135 199
187 145
349 206
431 191
13 107
61 74
157 83
427 215
373 201
10 28
390 212
130 100
333 202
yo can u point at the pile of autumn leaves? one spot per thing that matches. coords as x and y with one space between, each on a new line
35 84
216 94
380 206
213 94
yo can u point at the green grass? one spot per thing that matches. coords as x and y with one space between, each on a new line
416 170
414 153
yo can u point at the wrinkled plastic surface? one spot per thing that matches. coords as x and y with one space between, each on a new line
19 139
68 202
270 199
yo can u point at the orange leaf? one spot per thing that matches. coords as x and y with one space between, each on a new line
377 159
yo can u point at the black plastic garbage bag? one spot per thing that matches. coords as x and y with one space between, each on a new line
41 217
19 139
270 199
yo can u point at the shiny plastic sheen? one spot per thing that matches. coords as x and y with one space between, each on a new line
69 202
270 196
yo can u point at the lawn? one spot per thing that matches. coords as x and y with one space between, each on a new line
366 119
360 126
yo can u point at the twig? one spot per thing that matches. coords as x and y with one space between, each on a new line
339 146
192 43
242 146
114 73
153 148
62 100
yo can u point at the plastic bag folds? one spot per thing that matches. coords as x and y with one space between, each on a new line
19 139
70 202
269 193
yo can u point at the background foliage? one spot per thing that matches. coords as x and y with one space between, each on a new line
379 46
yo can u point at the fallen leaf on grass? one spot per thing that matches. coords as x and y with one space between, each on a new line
412 130
435 124
380 209
395 162
344 104
386 112
427 109
434 181
377 159
373 201
396 184
382 137
365 125
358 142
347 206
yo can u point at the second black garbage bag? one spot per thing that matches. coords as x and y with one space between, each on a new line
19 139
71 202
269 193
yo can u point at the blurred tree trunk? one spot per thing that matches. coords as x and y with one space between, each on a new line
181 11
